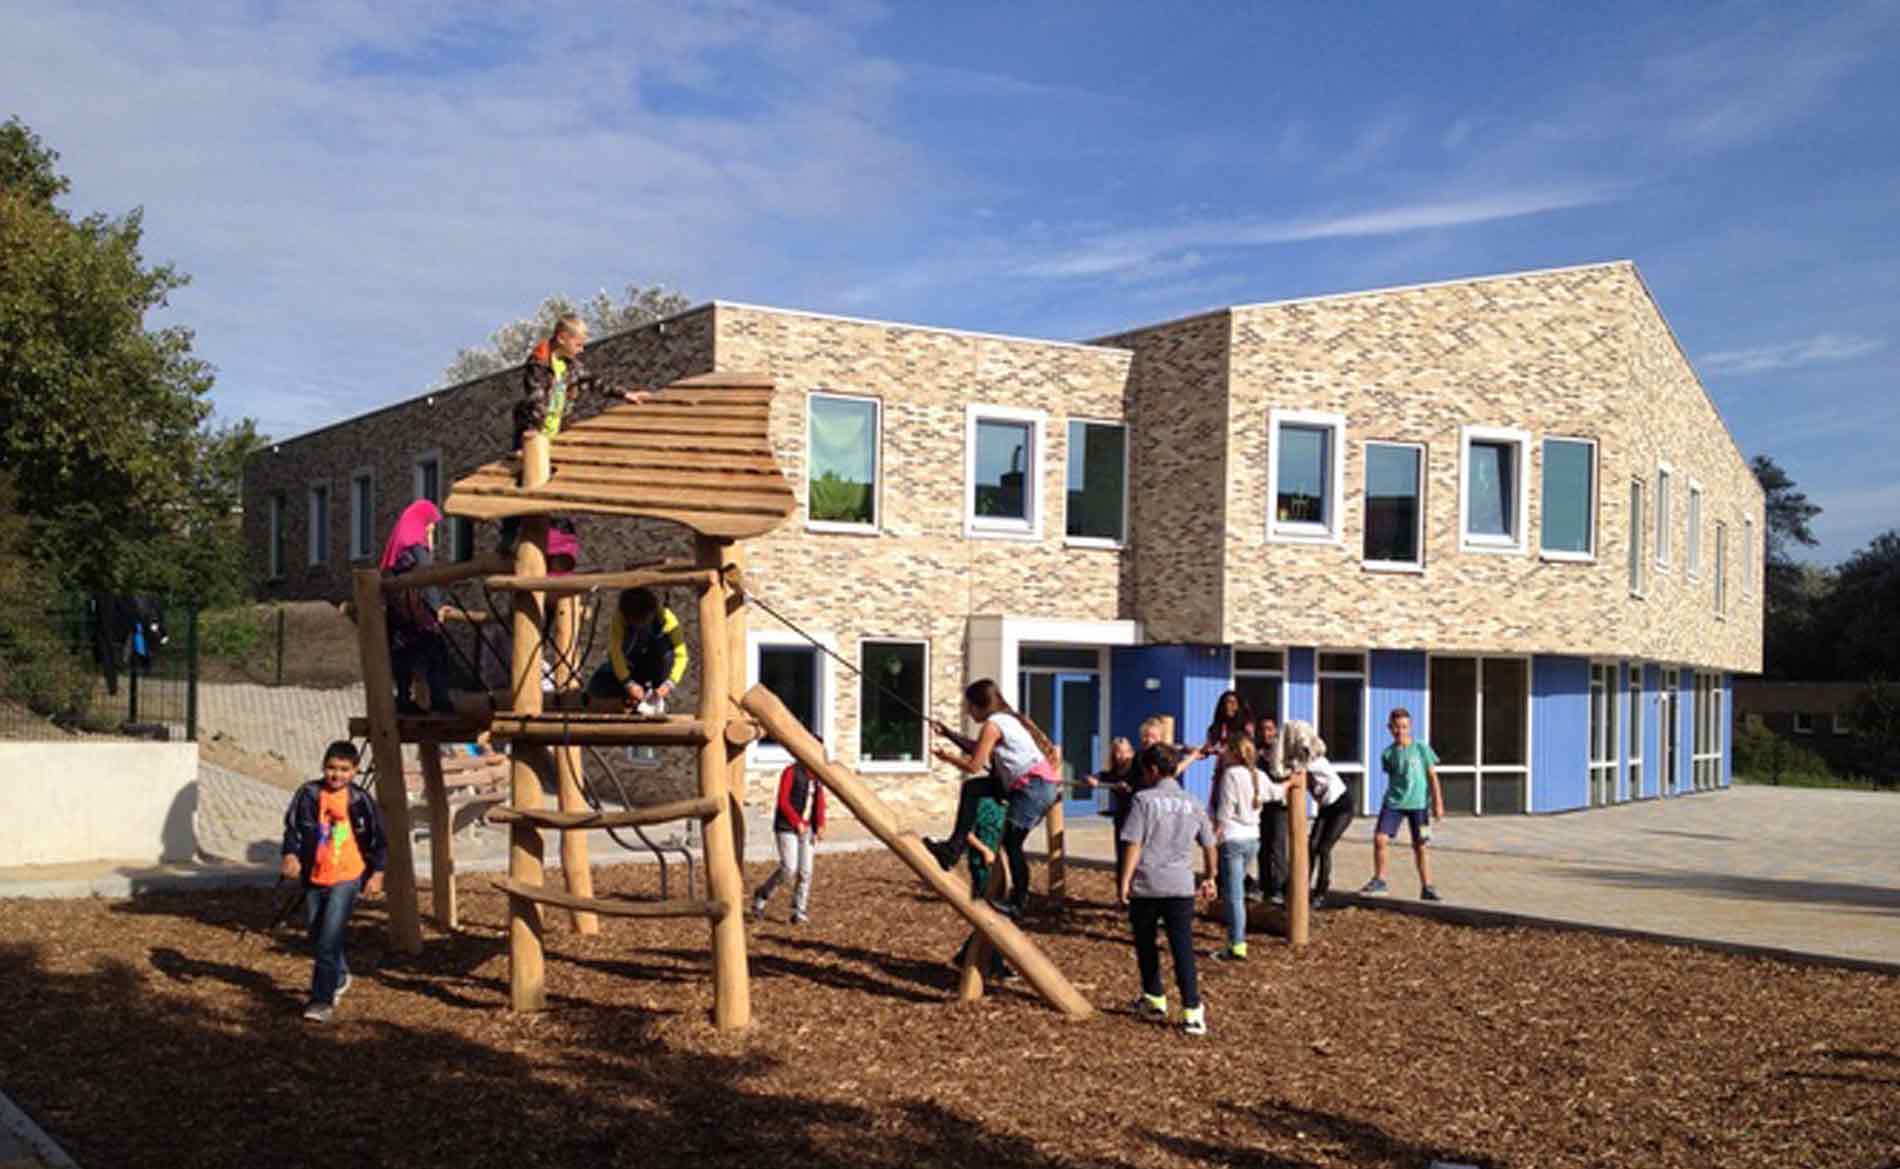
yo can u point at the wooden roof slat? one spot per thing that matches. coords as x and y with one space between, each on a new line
615 477
640 440
685 422
698 499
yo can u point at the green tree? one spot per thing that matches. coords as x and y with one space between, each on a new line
104 423
1860 619
510 344
1791 590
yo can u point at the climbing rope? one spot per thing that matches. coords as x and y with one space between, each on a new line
751 599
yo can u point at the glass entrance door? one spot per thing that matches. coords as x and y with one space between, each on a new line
1067 704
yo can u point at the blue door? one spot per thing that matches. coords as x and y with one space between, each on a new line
1067 705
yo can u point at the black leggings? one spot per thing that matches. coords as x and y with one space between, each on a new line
1328 827
975 791
1177 914
1273 855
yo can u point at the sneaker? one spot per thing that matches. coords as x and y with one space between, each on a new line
1277 899
800 917
1429 894
1318 901
1373 888
341 988
1194 1021
319 1013
944 852
1152 1006
758 908
1237 952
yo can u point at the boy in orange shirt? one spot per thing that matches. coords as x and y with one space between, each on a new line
333 841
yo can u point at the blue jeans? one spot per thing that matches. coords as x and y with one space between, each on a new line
326 911
1028 804
1236 856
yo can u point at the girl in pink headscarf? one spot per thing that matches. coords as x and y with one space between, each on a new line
417 644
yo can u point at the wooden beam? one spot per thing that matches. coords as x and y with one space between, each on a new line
527 962
611 906
734 571
379 691
694 809
441 837
1055 838
420 728
575 869
976 955
441 574
1298 879
1017 948
724 524
584 582
593 730
740 732
732 990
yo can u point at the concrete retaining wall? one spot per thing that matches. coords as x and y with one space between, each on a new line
67 802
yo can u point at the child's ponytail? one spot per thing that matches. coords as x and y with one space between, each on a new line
1243 746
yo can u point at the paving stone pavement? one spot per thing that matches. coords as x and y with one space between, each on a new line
295 722
237 818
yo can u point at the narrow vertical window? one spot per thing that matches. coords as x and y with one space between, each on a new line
1395 513
362 515
1664 517
1003 472
319 524
1493 508
894 687
1097 483
1303 452
1692 560
1721 569
1636 537
1569 499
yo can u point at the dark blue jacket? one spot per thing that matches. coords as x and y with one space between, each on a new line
302 829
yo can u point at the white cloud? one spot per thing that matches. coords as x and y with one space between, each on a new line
1818 349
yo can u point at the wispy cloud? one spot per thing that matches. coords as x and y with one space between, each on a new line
1118 251
1816 350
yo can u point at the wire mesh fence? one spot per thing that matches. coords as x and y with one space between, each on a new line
103 665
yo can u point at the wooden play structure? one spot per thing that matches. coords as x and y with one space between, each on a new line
699 455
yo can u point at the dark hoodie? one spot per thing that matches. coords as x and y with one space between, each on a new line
546 399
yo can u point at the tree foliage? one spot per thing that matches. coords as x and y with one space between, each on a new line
104 423
510 344
1791 590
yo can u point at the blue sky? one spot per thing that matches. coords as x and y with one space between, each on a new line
360 189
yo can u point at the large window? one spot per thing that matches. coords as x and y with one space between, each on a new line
1097 483
319 549
841 465
1636 537
1493 509
1706 761
1665 539
894 686
1692 557
1721 569
1342 717
362 515
1395 512
1260 679
795 670
1748 556
1635 788
1604 702
1569 499
1003 470
1304 450
279 538
428 477
1480 728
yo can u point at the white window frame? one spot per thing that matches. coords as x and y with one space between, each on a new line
1068 454
1803 723
1495 545
1692 554
1748 556
762 755
990 528
366 501
1478 767
1596 500
1840 723
1665 542
434 455
1418 535
1638 548
1705 731
275 553
1300 532
1721 570
313 531
1235 673
1604 748
1362 768
871 766
835 527
1633 728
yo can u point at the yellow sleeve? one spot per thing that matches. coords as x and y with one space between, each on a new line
670 625
617 647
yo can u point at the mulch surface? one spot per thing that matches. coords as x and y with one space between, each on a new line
159 1032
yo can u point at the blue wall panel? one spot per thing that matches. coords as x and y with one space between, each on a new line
1560 733
1206 672
1652 732
1301 698
1189 680
1397 679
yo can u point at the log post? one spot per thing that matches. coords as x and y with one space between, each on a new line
976 956
379 692
736 651
732 994
1056 841
567 767
1298 880
441 832
527 974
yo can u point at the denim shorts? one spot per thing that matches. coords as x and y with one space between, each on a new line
1032 801
1417 818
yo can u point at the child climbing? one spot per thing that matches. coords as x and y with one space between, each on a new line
1157 884
417 645
1235 810
1411 773
646 653
334 844
1306 752
1121 780
1021 756
798 823
985 840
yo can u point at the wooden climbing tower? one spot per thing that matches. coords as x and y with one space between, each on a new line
699 455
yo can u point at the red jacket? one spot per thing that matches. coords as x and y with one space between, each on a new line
799 793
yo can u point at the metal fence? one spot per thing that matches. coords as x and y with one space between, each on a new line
87 666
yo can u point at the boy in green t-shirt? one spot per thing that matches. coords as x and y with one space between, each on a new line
1411 769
